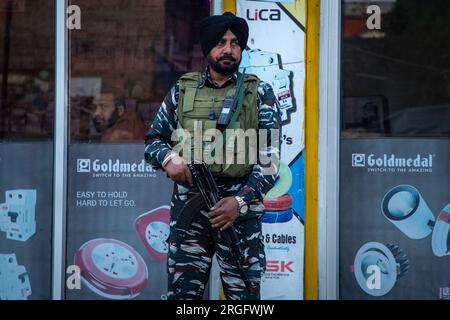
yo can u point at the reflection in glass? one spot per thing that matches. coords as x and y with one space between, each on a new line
124 60
27 69
396 80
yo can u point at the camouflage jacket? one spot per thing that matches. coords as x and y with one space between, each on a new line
158 138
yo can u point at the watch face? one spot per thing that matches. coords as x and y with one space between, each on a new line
244 208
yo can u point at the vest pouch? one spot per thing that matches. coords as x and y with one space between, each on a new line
202 142
212 148
194 128
236 154
188 99
203 107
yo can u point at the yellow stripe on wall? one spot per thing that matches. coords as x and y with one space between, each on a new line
297 9
311 149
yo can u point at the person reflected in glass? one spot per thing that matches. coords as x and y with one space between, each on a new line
115 123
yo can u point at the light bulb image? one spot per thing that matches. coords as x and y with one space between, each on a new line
112 269
404 207
377 267
402 204
440 242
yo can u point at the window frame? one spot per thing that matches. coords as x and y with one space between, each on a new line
329 149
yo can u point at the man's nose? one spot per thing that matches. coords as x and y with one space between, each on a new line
227 48
97 111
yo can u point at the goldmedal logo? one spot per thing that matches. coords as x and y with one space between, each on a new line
358 160
392 163
115 168
83 165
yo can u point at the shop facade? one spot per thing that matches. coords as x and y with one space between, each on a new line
364 89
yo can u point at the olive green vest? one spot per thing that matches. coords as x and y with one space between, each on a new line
199 110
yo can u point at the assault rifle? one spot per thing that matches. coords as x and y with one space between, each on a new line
205 200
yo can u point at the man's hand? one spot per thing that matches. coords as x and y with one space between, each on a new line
223 214
178 170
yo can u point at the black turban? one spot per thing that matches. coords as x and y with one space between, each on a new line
213 28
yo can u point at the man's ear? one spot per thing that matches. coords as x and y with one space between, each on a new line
120 110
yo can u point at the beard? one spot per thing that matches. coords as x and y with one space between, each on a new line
226 65
101 124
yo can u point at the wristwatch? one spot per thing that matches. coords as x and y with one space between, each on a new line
243 207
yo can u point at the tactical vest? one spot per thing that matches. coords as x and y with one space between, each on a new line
202 107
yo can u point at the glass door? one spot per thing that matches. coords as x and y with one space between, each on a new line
123 61
27 90
395 150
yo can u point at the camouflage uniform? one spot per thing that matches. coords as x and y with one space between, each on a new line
191 252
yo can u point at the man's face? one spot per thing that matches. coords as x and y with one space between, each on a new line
105 113
225 57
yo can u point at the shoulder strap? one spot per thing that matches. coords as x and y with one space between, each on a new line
244 83
240 100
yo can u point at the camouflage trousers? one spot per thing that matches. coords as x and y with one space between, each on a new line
191 252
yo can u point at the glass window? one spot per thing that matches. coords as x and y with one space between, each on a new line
123 61
395 150
396 79
26 147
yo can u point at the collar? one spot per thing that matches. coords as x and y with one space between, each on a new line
207 81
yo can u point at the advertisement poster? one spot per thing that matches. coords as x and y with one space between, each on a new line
395 219
26 188
276 54
117 224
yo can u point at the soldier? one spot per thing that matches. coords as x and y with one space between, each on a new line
199 96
